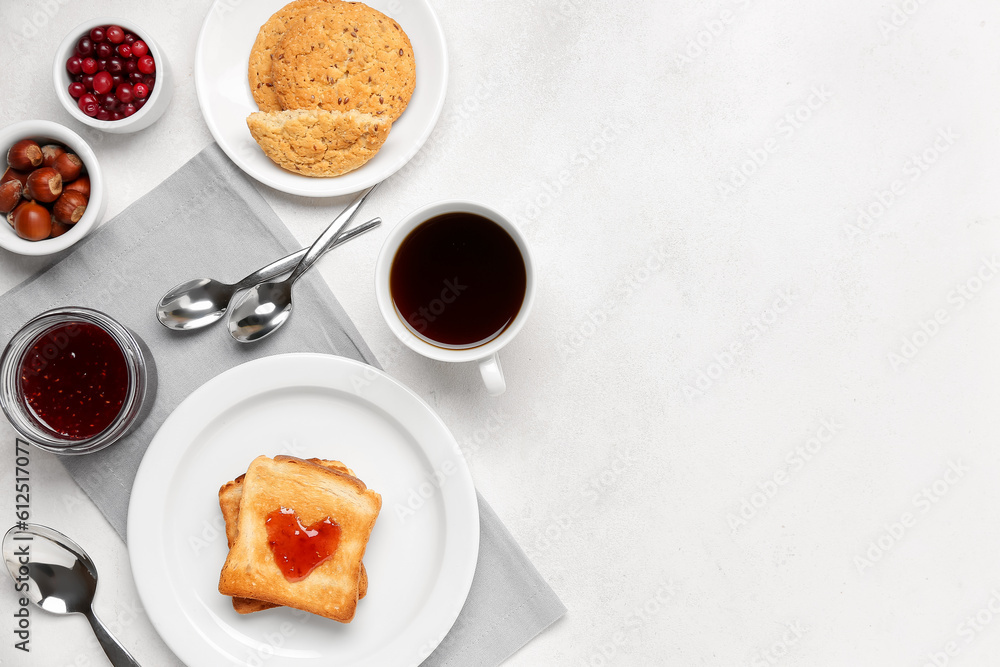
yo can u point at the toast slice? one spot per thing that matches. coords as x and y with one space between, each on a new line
315 494
229 502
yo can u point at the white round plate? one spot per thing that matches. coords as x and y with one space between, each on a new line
220 76
422 553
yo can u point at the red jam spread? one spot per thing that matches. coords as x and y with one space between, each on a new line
299 550
74 379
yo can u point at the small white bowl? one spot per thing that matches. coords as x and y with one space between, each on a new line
46 132
155 105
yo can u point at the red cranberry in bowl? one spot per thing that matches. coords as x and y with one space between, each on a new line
102 83
114 34
116 66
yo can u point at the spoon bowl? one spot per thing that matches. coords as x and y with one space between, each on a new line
61 578
262 309
203 301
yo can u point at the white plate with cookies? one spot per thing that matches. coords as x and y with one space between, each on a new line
319 440
359 93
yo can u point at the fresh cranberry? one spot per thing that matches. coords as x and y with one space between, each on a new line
88 105
149 80
139 48
97 34
76 89
102 114
108 102
130 38
128 110
103 50
114 34
117 78
116 115
89 65
115 65
135 77
147 65
125 51
140 91
84 47
102 83
74 65
124 93
102 65
139 104
131 65
88 81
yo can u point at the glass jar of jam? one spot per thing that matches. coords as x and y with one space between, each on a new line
74 380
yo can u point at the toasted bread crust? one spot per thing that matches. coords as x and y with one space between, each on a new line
314 492
229 502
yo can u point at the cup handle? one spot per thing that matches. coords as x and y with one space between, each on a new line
492 373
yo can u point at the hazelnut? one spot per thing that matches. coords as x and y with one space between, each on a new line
24 155
50 152
13 174
58 229
32 222
69 167
44 185
10 216
69 207
10 195
81 185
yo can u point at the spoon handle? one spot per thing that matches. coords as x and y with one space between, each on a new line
117 654
330 236
289 262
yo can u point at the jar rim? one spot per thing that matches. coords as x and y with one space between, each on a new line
11 395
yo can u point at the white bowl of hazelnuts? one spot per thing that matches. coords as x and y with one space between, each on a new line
52 192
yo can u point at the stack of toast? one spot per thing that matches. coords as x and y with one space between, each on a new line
315 492
329 78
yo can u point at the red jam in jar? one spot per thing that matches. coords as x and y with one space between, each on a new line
298 550
74 380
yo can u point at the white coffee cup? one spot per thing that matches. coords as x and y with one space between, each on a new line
486 354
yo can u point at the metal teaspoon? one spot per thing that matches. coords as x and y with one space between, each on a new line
203 301
262 309
61 579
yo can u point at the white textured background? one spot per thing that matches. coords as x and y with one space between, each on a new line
657 387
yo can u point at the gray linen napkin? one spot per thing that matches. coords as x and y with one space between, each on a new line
207 219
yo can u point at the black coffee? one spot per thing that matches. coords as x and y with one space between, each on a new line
458 279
